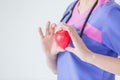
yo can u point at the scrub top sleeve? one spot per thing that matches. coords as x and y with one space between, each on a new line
111 29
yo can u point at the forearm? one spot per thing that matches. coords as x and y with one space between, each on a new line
52 63
106 63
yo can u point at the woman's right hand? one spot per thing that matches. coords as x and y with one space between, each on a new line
48 42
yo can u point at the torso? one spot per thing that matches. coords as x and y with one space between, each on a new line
70 67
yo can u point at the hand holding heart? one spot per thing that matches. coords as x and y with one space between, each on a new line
48 42
79 49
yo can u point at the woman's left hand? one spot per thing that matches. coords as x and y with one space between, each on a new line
79 49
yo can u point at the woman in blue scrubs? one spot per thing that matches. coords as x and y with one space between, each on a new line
94 56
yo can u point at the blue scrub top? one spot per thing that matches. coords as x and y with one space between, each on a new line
106 19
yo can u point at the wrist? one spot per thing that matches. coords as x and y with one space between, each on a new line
51 53
87 56
90 58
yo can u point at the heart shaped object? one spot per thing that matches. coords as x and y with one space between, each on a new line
62 38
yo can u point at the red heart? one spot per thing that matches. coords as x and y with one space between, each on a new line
62 38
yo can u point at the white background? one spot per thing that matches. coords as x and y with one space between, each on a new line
21 56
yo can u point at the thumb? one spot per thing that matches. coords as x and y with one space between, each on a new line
61 49
70 49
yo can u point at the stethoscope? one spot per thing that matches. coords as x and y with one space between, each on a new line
86 20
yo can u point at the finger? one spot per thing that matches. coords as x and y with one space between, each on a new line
73 34
65 27
70 49
68 27
41 33
61 49
47 28
53 26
